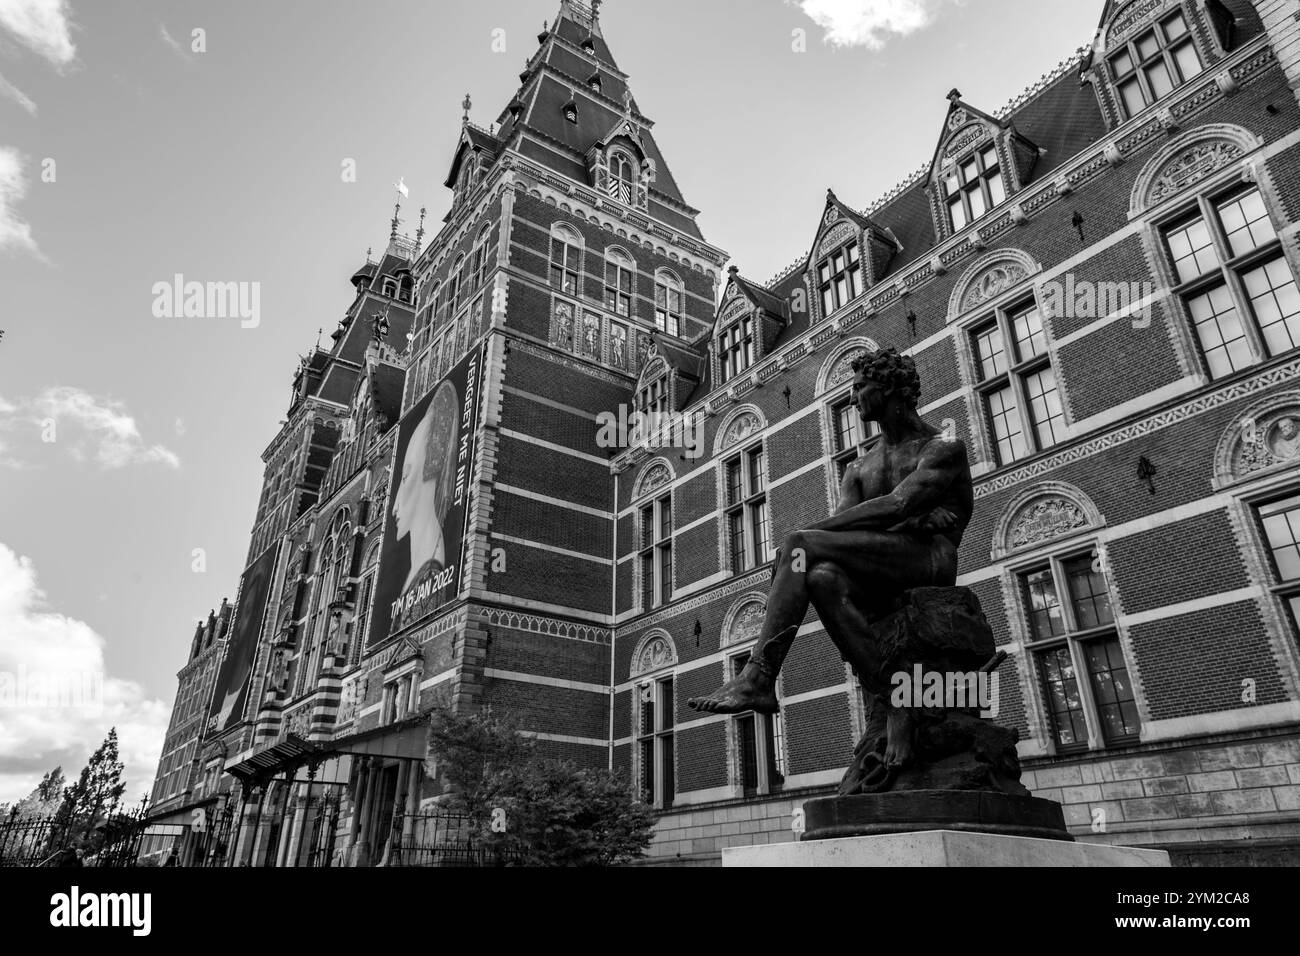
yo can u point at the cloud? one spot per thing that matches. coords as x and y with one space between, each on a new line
90 428
41 25
11 92
15 233
172 42
870 23
57 702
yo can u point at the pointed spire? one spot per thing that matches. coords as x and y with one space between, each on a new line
465 105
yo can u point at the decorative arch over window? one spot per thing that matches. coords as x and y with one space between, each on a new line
655 475
1188 160
741 424
989 278
744 619
1046 512
1264 440
838 368
566 258
654 652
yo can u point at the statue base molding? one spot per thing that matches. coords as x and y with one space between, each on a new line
942 848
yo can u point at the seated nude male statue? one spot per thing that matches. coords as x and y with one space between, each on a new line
902 511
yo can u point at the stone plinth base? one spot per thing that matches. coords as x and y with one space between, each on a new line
907 811
941 848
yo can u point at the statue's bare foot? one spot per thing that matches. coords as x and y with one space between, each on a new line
900 739
751 689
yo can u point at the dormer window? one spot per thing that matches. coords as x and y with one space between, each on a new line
973 187
1154 63
622 179
593 81
668 304
571 111
839 277
736 348
390 288
653 397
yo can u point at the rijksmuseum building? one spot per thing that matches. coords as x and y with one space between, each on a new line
1098 286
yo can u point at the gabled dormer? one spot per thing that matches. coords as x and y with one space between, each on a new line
749 319
669 377
1146 49
850 253
475 153
978 164
619 165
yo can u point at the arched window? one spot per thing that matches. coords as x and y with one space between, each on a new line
619 270
653 716
390 288
668 302
566 259
456 280
622 177
479 267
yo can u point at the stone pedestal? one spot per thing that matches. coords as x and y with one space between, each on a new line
908 811
942 848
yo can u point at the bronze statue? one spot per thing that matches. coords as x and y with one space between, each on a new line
881 573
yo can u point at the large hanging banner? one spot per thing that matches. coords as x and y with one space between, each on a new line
420 566
231 691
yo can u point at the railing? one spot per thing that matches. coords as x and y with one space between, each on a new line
62 841
444 838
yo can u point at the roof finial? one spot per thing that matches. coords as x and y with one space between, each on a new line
595 9
318 332
627 100
954 94
419 233
465 105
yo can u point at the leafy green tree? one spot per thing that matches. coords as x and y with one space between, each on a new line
546 812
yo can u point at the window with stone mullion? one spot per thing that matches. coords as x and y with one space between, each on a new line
1154 63
1234 279
1075 645
1017 383
1281 523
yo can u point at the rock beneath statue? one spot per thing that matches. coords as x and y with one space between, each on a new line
936 631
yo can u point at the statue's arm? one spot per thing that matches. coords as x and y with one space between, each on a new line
916 496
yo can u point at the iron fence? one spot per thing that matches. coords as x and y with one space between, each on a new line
63 840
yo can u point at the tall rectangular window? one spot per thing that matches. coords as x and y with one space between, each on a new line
656 552
760 743
618 287
668 305
566 263
655 743
744 477
1022 400
736 348
1072 633
1233 277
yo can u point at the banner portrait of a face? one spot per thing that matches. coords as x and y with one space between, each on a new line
421 560
231 691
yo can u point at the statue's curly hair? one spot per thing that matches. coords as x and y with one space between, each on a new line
895 372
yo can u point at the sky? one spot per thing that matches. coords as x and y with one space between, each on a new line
142 139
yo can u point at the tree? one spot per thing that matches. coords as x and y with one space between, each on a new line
97 791
45 799
554 813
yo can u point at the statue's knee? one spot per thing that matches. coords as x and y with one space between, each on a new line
825 579
795 546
